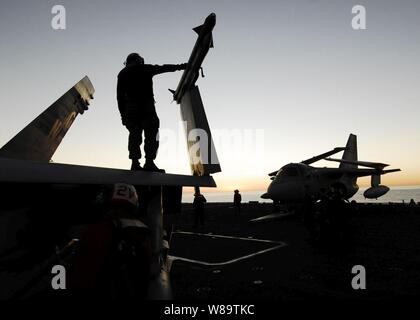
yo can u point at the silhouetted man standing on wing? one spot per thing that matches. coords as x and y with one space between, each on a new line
137 108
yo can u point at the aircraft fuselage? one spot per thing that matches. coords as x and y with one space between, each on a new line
297 182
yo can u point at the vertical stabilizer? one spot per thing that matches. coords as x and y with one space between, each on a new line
40 139
350 153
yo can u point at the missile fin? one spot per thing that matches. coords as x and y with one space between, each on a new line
198 29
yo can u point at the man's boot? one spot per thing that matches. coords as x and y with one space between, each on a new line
135 165
150 166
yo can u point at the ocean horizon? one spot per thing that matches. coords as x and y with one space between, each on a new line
396 194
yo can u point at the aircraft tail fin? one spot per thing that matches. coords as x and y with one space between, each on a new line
350 152
40 139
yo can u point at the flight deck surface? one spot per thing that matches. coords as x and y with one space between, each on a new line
386 247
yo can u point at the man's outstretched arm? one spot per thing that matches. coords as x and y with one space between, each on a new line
157 69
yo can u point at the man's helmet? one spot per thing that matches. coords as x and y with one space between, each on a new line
125 195
134 58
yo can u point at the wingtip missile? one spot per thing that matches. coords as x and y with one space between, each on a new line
201 47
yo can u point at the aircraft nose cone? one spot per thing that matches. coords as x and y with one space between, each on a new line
269 193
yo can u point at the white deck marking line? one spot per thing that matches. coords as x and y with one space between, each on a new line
228 237
213 264
280 244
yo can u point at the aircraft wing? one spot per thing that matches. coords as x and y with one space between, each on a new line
336 173
201 148
367 172
25 171
323 155
374 165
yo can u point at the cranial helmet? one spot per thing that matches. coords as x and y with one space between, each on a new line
134 58
124 194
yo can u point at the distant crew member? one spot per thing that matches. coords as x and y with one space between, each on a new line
334 218
199 201
136 104
237 199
